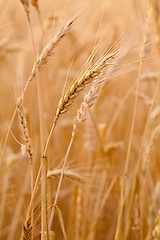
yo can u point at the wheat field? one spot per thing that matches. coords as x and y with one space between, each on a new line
79 120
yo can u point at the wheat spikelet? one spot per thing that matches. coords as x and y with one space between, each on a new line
56 173
89 76
48 50
25 4
23 127
27 229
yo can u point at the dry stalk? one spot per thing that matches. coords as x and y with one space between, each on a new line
102 204
61 222
78 219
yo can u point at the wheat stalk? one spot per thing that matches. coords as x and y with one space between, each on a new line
86 104
78 219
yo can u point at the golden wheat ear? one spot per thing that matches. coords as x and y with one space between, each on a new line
88 77
35 4
69 174
48 50
27 230
23 127
25 4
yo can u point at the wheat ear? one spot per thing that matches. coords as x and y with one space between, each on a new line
90 75
151 146
48 50
35 4
27 229
156 230
23 127
56 173
25 4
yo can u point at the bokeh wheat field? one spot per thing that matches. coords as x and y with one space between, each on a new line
80 120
